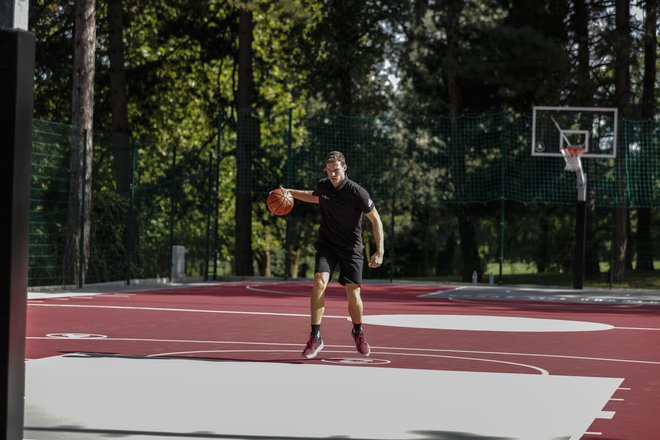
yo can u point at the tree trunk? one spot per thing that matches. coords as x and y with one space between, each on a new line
120 133
622 42
644 216
268 261
80 182
584 95
248 139
466 229
294 262
469 250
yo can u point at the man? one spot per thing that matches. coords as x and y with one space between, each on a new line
343 203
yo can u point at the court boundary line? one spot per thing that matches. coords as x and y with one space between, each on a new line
236 312
432 350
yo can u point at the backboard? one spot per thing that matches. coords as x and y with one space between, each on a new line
592 128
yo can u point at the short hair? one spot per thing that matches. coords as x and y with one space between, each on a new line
335 156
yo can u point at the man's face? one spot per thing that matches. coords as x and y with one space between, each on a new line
336 172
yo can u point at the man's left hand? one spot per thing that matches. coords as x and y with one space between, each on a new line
376 260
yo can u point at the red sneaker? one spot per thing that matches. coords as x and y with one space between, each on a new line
361 344
314 345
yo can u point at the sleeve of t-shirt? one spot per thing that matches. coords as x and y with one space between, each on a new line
364 201
317 189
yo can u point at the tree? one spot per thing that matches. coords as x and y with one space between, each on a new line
342 53
54 59
466 228
622 44
648 107
582 94
247 142
80 183
118 100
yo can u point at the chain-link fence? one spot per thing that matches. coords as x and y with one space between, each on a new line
443 187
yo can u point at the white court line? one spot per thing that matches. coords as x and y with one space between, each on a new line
558 356
231 312
432 350
172 309
541 303
256 289
540 370
441 291
174 353
181 341
280 292
637 328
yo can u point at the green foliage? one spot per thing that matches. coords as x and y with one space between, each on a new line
330 62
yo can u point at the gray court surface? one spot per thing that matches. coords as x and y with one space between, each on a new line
558 294
78 396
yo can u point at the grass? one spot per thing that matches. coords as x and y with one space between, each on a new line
525 273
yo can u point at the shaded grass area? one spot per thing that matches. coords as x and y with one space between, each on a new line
525 273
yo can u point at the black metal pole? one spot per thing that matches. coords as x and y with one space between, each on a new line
580 229
17 49
503 190
209 207
580 235
216 197
289 183
81 243
172 206
391 237
130 223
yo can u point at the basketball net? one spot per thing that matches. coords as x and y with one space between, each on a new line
572 158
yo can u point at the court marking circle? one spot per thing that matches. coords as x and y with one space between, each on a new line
356 361
485 323
76 336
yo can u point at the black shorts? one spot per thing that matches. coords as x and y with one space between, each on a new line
350 263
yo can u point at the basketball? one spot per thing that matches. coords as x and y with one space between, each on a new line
280 202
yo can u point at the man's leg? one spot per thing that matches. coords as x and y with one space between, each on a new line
318 296
317 306
354 302
355 309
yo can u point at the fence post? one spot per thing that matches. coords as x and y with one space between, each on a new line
216 197
81 243
289 182
391 238
172 203
504 152
131 201
209 208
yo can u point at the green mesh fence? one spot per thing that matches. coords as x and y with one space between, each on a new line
131 235
478 159
48 207
426 175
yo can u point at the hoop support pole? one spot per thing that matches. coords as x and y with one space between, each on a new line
580 229
580 235
581 185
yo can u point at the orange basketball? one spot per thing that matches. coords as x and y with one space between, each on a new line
280 202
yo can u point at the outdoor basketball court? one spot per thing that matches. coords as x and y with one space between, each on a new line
222 361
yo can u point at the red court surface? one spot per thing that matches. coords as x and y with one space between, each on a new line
496 365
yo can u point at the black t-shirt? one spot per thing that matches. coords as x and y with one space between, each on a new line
341 213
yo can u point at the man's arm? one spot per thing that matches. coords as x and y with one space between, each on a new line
302 195
377 227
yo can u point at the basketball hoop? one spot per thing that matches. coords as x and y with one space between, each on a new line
572 158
